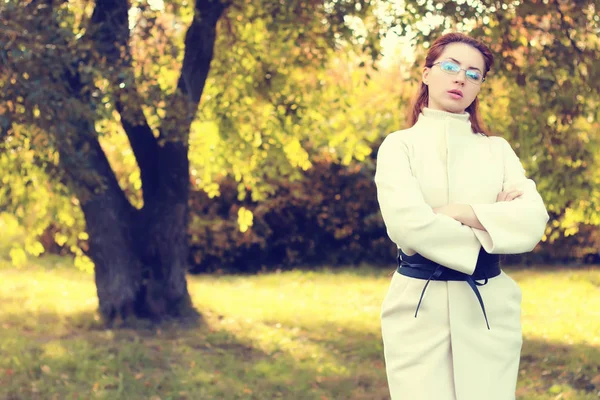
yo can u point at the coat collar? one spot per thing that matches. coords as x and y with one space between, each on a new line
456 123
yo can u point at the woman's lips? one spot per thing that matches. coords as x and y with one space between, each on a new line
455 94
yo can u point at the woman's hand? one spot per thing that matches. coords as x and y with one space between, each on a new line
451 210
464 213
509 195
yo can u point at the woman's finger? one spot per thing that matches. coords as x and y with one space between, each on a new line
503 196
517 195
513 195
508 195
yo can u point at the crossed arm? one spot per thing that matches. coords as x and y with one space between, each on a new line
453 234
464 213
507 226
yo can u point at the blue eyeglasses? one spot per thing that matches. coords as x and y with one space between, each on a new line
452 68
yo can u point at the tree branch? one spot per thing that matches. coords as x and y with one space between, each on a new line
110 34
199 50
183 104
563 24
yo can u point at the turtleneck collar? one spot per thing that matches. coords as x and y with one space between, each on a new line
446 121
440 115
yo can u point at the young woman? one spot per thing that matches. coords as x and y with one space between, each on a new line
453 199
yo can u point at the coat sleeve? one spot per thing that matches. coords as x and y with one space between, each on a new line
410 222
517 226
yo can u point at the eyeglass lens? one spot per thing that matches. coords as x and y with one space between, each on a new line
453 68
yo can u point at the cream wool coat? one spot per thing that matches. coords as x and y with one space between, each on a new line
447 352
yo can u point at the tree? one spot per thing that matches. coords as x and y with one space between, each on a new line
66 74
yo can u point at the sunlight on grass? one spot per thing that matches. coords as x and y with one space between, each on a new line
291 335
561 305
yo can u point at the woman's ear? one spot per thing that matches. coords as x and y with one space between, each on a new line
425 75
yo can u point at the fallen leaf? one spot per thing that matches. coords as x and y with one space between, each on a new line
46 369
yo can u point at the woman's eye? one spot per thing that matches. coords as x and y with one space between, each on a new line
451 67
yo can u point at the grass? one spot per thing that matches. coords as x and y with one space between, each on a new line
292 335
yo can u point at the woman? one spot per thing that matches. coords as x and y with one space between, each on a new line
453 199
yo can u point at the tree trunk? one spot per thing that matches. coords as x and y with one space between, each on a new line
140 260
140 256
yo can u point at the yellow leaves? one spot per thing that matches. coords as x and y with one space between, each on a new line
212 189
362 151
241 187
18 256
257 142
523 40
34 248
84 263
66 218
245 219
297 156
60 238
135 180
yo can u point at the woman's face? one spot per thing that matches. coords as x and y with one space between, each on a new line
454 93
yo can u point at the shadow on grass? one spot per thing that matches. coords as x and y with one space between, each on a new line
48 355
547 366
55 356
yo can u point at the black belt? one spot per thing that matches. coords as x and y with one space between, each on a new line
417 266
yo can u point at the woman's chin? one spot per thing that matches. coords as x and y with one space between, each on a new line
454 109
456 106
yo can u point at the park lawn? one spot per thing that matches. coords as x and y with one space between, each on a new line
290 335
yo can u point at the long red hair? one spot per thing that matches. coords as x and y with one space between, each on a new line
422 98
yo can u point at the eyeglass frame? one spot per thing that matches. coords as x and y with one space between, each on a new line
460 69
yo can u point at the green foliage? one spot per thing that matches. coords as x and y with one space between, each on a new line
276 93
36 203
261 118
328 214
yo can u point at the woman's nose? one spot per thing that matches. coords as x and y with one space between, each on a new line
461 77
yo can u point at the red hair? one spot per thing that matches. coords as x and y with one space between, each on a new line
422 98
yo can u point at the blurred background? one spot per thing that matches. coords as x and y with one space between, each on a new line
187 205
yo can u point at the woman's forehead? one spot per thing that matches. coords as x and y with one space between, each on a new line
466 55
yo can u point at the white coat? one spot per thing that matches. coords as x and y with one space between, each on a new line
447 352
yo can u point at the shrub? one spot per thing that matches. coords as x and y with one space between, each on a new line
329 217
